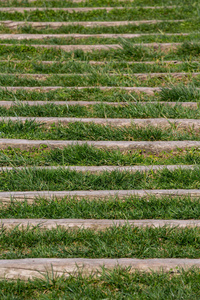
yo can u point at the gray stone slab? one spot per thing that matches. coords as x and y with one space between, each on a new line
31 268
55 25
93 224
149 147
8 104
30 196
156 122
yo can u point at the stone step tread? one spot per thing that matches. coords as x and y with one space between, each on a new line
94 224
138 75
83 9
147 90
100 169
4 36
31 268
145 146
117 122
30 196
88 103
16 24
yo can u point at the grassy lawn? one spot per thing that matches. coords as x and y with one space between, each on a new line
129 52
86 155
178 92
114 242
72 66
63 179
129 208
102 111
93 132
116 284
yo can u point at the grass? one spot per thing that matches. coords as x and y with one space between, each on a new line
128 208
125 14
183 93
86 155
90 94
130 52
90 131
114 242
115 284
72 66
31 179
102 111
95 79
179 93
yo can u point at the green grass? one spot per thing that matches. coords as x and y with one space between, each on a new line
181 93
62 179
90 131
115 284
95 79
88 155
102 111
72 66
130 52
90 94
184 12
115 242
128 208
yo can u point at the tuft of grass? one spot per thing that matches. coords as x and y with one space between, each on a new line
86 155
114 242
181 92
61 179
94 132
131 207
109 284
102 110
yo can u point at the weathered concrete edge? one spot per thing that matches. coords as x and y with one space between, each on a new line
147 90
94 224
142 76
96 62
116 122
31 196
100 169
30 268
88 48
151 147
82 9
88 103
41 36
54 25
